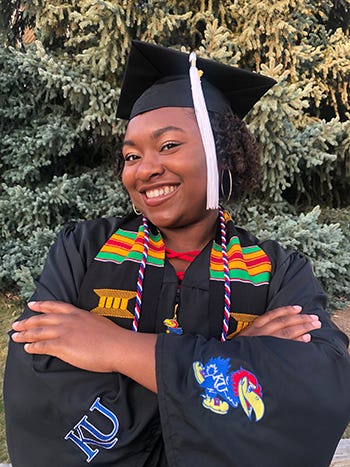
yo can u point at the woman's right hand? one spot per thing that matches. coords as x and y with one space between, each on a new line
286 322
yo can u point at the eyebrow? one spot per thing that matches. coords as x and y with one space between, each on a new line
155 135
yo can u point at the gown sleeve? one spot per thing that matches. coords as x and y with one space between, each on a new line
259 401
58 415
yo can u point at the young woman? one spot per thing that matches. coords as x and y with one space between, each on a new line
203 346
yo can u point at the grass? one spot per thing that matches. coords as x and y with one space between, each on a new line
10 308
347 432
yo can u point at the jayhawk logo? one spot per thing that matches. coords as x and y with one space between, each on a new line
224 388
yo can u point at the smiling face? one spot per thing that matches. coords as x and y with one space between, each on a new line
165 169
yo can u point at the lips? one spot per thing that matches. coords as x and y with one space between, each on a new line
160 191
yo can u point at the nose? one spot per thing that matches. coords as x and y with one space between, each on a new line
150 166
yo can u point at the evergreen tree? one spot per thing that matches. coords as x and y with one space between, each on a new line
59 136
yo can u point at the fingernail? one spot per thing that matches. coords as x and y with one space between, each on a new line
297 307
316 324
306 337
31 303
315 317
14 335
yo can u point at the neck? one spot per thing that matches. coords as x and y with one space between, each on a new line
194 236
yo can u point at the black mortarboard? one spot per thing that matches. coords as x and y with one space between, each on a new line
160 76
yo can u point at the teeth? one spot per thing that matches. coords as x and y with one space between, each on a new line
160 191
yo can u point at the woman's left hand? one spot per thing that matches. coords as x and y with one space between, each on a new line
76 336
87 341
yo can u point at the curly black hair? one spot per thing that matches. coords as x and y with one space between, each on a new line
236 151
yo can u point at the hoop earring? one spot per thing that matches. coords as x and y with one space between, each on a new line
224 183
138 213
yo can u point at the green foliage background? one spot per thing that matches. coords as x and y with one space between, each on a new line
59 135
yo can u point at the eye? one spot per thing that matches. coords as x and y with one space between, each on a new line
169 145
131 157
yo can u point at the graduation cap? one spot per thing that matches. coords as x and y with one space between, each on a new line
157 77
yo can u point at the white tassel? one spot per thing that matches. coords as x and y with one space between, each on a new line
206 132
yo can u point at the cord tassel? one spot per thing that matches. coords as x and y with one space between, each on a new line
207 136
141 275
227 281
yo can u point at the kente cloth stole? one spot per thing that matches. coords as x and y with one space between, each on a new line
247 265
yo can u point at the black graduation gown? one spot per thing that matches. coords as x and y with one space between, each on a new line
250 401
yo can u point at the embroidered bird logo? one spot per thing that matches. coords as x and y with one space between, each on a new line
224 388
173 326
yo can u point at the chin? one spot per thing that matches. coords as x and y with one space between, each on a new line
164 221
175 221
